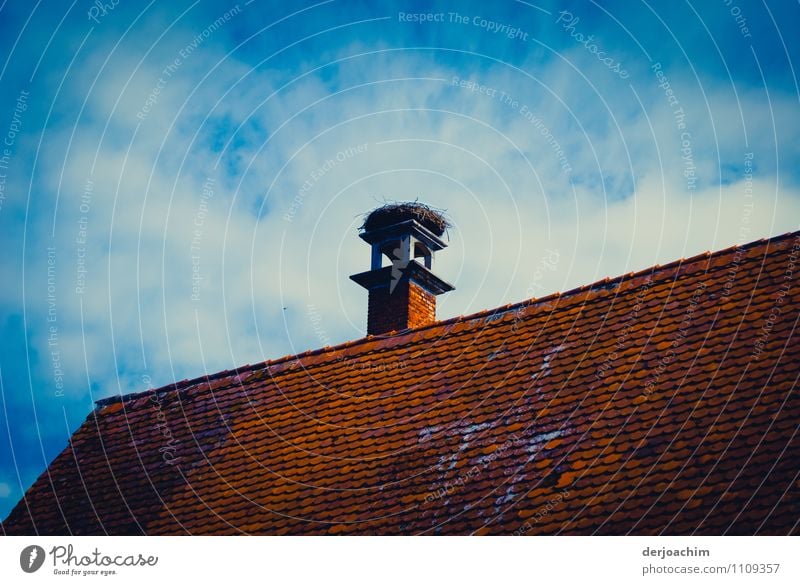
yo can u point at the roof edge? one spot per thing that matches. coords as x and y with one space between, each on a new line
180 385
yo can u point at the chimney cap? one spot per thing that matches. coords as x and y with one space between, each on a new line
413 271
394 213
395 231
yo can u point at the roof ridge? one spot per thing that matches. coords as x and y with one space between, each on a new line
652 270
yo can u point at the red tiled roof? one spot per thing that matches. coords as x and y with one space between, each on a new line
662 402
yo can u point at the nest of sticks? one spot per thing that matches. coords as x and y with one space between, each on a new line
392 213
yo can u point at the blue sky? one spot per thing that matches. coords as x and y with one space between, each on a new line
182 182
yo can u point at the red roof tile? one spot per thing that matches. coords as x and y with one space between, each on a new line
662 402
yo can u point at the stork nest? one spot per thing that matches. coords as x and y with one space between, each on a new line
392 213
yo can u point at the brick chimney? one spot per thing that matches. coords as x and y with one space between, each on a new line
402 295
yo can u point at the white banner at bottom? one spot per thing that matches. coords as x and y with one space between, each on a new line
389 560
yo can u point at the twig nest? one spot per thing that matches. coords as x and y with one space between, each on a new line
393 213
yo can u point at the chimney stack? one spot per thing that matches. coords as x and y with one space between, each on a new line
403 294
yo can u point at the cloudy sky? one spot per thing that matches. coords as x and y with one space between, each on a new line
181 182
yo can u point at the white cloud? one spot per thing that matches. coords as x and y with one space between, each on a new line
479 158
